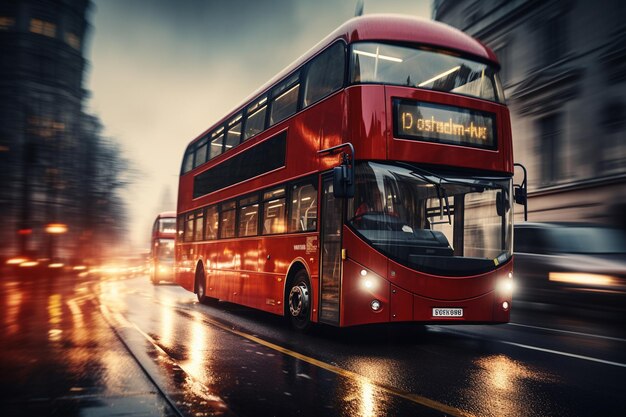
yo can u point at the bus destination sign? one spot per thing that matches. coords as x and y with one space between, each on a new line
445 124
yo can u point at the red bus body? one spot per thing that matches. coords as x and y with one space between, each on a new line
256 271
162 247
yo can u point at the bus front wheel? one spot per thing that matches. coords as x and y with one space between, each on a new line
299 301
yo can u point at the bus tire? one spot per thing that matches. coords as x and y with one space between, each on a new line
200 285
298 307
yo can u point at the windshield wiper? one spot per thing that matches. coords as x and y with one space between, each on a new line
442 195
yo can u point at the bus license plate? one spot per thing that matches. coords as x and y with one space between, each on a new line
447 312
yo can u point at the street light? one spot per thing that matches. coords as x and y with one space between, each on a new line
54 229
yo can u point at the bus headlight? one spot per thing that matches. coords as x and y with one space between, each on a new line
375 304
368 282
506 286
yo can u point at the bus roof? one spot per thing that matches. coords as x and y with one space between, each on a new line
381 27
166 214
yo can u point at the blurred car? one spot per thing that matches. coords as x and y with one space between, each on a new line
570 263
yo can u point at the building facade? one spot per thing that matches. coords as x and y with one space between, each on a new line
42 64
564 73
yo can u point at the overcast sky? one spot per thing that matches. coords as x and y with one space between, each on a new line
163 71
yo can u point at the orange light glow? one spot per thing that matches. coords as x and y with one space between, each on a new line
16 261
56 228
580 278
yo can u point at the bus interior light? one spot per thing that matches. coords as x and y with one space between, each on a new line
378 56
436 77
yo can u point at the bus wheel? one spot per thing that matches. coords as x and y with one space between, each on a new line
200 287
299 301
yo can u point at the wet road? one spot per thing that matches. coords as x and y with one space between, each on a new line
79 346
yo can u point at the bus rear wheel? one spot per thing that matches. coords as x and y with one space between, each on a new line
299 301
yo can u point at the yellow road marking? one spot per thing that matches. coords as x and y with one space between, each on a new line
449 410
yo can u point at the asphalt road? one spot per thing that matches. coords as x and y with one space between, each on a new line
121 346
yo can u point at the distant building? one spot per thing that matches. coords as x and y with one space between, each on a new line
41 96
564 72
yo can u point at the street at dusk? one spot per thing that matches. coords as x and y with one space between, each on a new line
116 345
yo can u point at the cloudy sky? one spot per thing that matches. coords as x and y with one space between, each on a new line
163 71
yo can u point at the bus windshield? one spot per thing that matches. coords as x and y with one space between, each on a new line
167 225
164 249
432 222
372 62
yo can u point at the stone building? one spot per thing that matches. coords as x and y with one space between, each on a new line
564 72
42 64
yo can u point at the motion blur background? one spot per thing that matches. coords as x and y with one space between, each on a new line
77 187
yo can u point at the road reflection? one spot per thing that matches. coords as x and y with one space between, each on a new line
14 296
499 387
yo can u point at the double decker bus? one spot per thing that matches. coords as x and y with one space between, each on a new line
371 181
162 247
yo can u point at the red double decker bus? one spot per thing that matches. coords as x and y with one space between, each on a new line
368 182
162 247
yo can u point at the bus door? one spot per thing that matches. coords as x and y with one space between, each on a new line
330 253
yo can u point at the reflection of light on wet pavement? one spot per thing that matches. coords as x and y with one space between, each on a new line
167 326
497 387
365 397
198 362
14 302
54 317
368 406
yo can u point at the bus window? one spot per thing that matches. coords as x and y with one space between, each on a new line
227 220
188 234
188 161
274 211
400 65
211 223
255 121
303 208
180 228
217 139
248 216
200 154
285 99
167 225
233 136
325 74
199 226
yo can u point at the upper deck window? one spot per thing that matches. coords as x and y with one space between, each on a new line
201 152
255 120
217 142
389 64
285 99
325 74
233 137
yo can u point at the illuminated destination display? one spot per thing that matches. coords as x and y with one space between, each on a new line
445 124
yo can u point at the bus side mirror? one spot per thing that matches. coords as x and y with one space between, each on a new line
520 193
343 181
